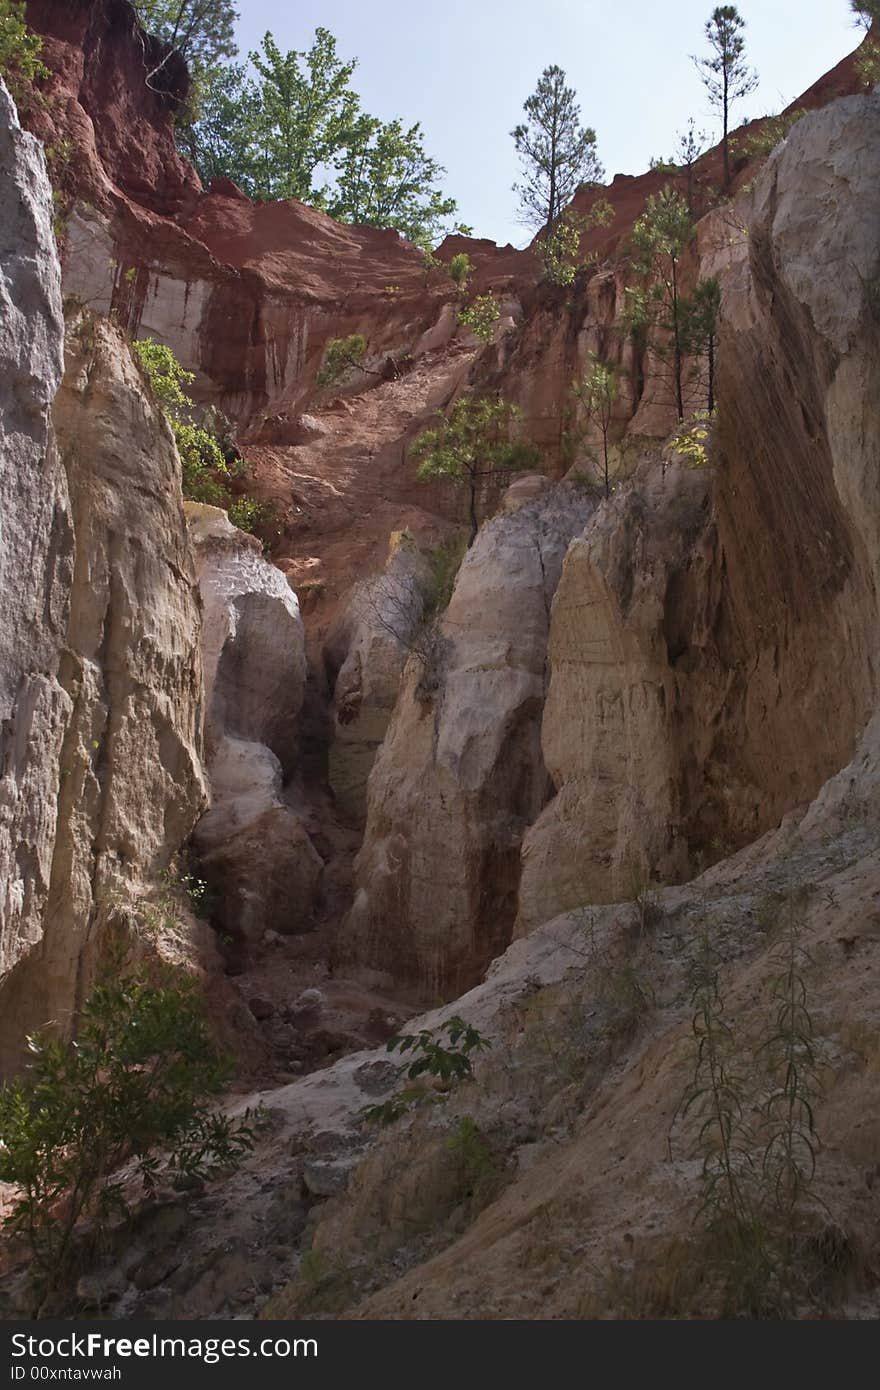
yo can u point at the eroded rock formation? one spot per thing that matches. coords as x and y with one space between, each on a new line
36 542
696 650
102 774
460 774
255 850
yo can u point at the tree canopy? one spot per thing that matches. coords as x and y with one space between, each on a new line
290 125
201 31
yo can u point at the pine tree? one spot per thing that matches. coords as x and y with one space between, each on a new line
557 153
726 75
659 239
596 393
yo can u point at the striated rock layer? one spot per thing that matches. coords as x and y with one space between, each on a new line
460 774
101 676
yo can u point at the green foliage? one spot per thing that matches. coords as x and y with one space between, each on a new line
691 145
789 1131
558 250
558 155
290 125
342 356
448 1062
717 1096
306 109
202 31
20 49
662 232
471 446
773 129
867 12
726 75
386 179
460 269
204 469
699 329
477 1164
596 393
868 63
218 132
481 316
137 1082
659 239
200 455
250 515
691 440
444 562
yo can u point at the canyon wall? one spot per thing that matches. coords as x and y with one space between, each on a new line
702 620
702 624
102 777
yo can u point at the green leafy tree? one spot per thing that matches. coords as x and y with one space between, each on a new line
290 125
557 153
385 179
596 393
201 31
20 50
222 140
307 110
559 248
659 239
471 446
137 1083
726 74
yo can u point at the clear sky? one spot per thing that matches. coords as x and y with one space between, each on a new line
463 68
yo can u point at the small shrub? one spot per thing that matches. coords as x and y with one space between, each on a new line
558 250
478 1166
481 316
254 517
136 1082
444 562
763 1226
448 1063
692 438
341 357
772 131
20 50
460 269
868 64
202 462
